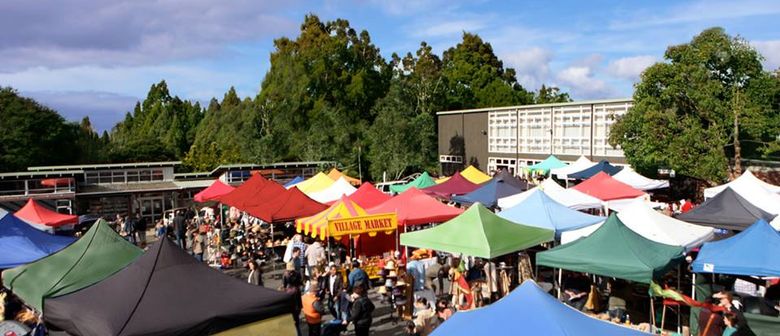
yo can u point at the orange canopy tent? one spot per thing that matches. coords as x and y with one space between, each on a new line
37 215
334 174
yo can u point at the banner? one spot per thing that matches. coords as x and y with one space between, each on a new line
370 224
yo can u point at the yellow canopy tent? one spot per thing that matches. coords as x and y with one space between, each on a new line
441 179
475 175
315 183
334 174
345 218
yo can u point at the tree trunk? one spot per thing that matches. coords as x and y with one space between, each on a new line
737 146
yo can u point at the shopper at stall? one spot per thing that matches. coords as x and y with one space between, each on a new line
362 310
357 277
312 309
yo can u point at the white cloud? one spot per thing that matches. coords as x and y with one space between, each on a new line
771 52
630 68
581 82
449 28
532 66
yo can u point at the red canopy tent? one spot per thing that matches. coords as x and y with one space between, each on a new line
213 192
606 188
36 214
413 207
368 196
249 192
455 185
269 201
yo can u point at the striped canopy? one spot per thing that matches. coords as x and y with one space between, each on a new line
317 225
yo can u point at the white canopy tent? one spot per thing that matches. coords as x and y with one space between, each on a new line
747 179
571 198
634 179
653 225
581 164
334 191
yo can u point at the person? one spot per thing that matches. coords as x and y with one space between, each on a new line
179 228
198 240
140 228
298 242
291 284
357 276
416 269
314 254
296 260
255 276
687 205
361 311
424 314
411 329
443 312
733 307
733 327
160 229
334 284
312 310
129 228
119 223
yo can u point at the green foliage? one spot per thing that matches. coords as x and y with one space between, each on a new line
685 108
92 148
550 95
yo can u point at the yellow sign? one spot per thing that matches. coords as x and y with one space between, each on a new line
370 224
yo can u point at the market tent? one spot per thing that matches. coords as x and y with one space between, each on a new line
42 218
294 181
478 232
368 196
317 225
334 191
475 175
544 167
614 250
571 198
335 174
315 183
727 210
540 210
653 225
500 186
413 207
21 243
455 185
441 180
747 178
602 166
97 255
528 310
251 191
606 188
165 292
422 181
634 179
758 196
752 252
270 202
213 192
582 163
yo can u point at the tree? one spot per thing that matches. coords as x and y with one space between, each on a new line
697 109
551 94
92 148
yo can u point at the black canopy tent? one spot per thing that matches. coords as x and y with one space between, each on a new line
165 292
727 210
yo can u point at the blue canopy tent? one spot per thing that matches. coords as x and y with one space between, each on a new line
293 182
21 243
752 252
540 210
602 166
528 310
501 185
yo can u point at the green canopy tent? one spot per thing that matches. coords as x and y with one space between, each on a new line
422 181
615 251
478 232
544 167
100 253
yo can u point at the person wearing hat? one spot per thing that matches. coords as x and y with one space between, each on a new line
361 311
312 310
416 269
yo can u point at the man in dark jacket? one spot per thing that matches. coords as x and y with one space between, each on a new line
362 310
332 285
140 229
357 276
180 229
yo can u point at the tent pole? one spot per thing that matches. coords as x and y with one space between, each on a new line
693 286
652 315
679 309
560 281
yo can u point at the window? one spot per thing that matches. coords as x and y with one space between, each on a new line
534 130
118 177
238 176
91 177
502 131
157 175
133 176
495 164
450 159
145 175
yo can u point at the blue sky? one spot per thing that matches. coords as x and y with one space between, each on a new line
97 58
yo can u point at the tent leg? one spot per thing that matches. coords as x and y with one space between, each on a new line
560 282
693 287
652 315
679 308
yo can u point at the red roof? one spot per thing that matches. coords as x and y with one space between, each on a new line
269 201
455 185
254 190
413 207
606 188
34 213
368 196
213 192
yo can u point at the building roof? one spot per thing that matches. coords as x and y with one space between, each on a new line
253 166
106 166
128 188
37 174
503 108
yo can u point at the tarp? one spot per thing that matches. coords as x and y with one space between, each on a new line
544 167
368 196
165 292
634 179
334 192
653 225
528 310
315 183
602 166
614 250
455 185
422 181
579 165
21 243
293 182
606 188
540 210
500 186
335 174
478 232
270 202
213 192
97 255
413 207
571 198
752 252
747 178
475 175
38 215
727 210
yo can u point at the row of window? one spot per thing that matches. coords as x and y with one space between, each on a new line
124 176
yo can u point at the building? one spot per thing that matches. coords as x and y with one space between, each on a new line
518 136
147 188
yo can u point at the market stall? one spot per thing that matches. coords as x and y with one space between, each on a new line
213 192
42 218
368 196
21 243
475 175
501 185
602 166
726 210
571 198
422 181
334 192
548 164
539 210
455 185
